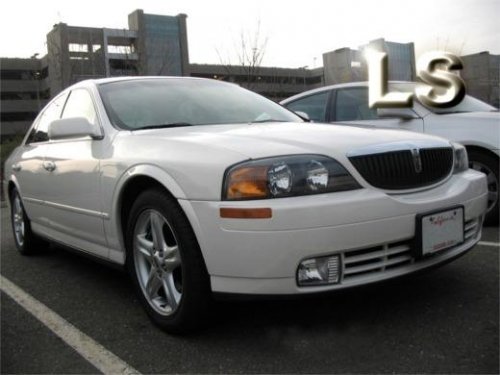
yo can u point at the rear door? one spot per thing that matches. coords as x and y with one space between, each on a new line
30 172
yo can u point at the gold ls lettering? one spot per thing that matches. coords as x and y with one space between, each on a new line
441 88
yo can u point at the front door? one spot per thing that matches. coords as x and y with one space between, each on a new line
74 203
350 106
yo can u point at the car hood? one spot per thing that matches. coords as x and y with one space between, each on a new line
197 157
271 139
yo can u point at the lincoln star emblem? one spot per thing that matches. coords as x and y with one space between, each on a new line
417 161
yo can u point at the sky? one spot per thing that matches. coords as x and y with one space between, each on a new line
297 32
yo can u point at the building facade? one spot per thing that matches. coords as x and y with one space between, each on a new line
348 65
272 82
344 65
24 91
481 74
152 45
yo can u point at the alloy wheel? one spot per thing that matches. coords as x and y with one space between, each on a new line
18 220
158 262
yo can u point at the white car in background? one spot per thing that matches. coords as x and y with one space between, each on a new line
472 123
199 186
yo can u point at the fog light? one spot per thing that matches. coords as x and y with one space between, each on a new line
319 271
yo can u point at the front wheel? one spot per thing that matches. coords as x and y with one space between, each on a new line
489 166
165 262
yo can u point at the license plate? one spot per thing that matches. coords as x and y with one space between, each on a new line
441 230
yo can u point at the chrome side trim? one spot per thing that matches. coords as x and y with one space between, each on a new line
77 210
33 200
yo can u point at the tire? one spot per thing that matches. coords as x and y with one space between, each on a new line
166 264
27 243
488 165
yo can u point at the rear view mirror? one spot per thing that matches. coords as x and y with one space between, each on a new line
401 113
73 127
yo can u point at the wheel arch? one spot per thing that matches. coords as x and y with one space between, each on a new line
481 149
134 181
490 162
10 186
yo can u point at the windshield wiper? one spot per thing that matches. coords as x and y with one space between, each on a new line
169 125
266 120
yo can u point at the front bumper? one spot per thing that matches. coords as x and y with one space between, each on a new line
261 256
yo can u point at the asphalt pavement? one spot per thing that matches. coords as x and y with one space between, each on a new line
443 321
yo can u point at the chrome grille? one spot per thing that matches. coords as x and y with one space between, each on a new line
471 228
360 263
405 169
376 259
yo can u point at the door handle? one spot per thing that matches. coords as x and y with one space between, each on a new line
16 167
49 166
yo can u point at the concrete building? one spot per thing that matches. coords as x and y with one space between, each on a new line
344 65
272 82
152 45
481 75
401 58
24 91
349 65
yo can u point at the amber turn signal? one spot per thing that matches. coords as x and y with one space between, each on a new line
246 213
248 182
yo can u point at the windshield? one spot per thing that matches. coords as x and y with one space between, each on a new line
468 104
163 102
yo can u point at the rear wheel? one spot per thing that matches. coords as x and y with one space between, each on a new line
488 165
166 264
26 241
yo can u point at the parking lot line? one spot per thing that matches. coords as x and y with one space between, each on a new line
91 350
488 243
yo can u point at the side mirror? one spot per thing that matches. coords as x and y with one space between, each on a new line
73 127
401 113
304 115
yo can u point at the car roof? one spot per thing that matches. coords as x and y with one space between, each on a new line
336 86
101 81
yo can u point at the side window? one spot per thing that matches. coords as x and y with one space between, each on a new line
351 104
80 105
52 112
313 105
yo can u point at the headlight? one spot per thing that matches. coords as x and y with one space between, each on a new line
461 159
279 177
286 176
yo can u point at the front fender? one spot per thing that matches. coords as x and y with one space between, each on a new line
113 225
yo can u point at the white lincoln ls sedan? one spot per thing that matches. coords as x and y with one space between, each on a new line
199 186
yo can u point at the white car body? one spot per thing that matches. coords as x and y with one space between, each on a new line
80 202
479 131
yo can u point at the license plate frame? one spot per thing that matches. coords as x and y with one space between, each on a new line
439 230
